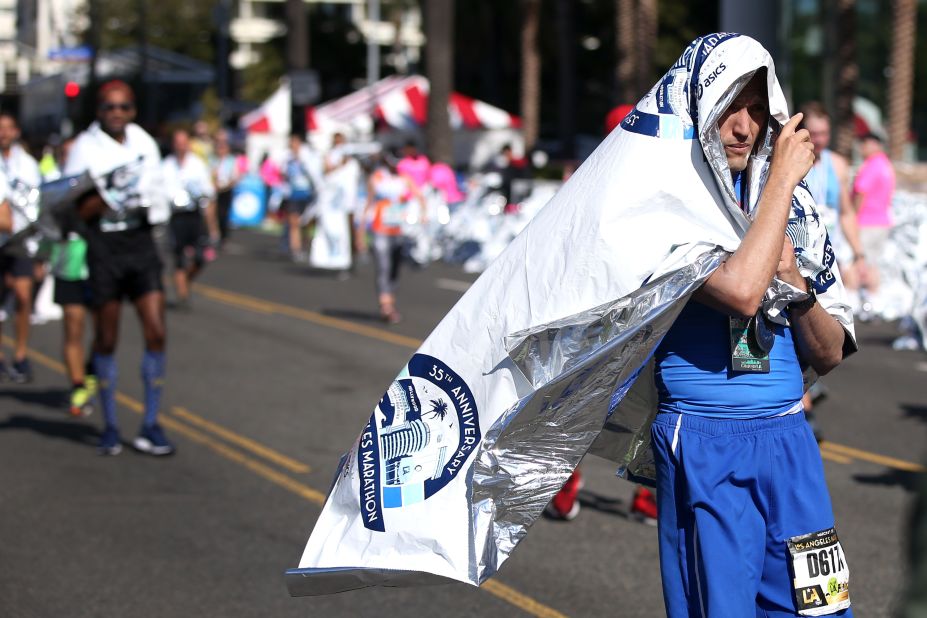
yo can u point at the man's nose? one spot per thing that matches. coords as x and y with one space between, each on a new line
741 125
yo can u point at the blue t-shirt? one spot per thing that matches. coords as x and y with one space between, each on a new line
694 376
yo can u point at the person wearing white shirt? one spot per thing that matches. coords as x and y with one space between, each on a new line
192 195
122 258
17 267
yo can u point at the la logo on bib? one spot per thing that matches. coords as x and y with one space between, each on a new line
418 439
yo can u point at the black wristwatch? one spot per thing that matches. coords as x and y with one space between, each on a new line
808 303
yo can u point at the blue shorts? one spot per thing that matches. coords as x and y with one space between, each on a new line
730 493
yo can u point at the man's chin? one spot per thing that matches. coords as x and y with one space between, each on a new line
737 164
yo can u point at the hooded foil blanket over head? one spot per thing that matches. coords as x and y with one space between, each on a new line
490 416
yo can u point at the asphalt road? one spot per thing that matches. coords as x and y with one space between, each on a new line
270 378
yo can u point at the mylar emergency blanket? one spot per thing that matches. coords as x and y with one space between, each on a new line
490 416
331 243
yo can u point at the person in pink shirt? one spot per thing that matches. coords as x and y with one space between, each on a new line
414 165
442 177
872 200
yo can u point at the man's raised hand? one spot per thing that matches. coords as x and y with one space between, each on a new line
793 154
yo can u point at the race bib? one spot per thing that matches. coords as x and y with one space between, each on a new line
747 355
394 215
821 574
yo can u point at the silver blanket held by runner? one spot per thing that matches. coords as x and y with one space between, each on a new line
501 402
48 206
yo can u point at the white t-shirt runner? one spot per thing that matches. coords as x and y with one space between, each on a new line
20 174
95 151
186 181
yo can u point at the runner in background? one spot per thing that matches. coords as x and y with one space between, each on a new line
225 175
189 187
388 197
17 266
122 258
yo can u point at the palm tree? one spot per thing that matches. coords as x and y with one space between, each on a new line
530 72
646 43
635 42
439 69
626 48
901 83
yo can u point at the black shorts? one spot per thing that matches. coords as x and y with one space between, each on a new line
296 207
16 267
69 292
124 275
188 238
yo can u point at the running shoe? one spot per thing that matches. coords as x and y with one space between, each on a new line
110 443
20 372
91 383
81 401
644 506
551 511
152 440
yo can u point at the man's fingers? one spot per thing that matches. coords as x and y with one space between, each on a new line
803 135
789 127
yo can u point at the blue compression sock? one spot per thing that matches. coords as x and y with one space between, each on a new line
153 377
105 367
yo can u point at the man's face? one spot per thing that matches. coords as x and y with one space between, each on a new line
116 110
819 128
181 144
9 132
740 124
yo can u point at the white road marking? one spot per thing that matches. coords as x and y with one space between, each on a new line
922 366
454 285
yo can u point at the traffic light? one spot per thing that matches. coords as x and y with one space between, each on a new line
72 90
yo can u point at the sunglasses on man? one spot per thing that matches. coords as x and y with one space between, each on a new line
111 107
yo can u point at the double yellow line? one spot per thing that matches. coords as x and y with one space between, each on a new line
183 422
846 454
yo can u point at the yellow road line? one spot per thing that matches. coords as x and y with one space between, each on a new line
268 307
517 599
496 588
825 454
882 460
262 470
247 443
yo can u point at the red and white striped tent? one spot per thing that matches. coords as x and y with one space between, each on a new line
391 110
396 102
401 103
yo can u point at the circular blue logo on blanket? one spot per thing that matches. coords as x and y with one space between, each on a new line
418 439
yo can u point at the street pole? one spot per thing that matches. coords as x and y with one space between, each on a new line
373 45
297 57
148 104
566 63
223 10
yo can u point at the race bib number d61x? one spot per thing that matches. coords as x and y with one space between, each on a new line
821 574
